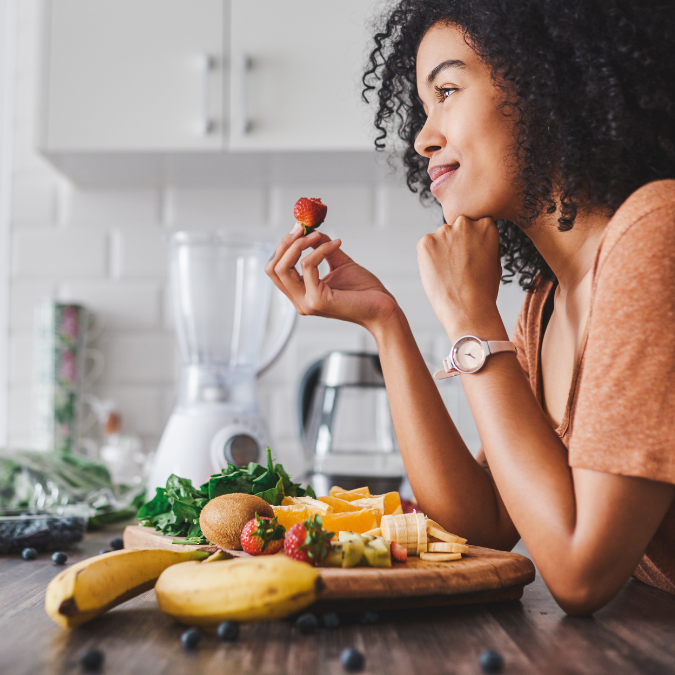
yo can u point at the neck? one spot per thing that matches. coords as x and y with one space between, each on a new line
570 255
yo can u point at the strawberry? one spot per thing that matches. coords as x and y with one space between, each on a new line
399 552
262 536
307 542
310 213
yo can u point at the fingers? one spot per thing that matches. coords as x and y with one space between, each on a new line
310 267
303 291
335 256
292 236
270 267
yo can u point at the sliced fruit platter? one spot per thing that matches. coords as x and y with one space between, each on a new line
273 548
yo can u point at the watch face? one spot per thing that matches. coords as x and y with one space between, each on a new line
468 355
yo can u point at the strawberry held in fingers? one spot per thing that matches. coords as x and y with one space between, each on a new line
307 542
310 213
262 536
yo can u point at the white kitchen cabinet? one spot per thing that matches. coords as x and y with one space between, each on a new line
296 74
144 75
156 92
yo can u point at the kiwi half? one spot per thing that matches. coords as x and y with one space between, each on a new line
223 518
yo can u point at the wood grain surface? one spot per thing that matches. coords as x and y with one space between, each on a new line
417 581
634 634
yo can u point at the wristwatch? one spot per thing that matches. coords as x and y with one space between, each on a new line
469 354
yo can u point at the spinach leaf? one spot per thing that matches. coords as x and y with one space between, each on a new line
175 509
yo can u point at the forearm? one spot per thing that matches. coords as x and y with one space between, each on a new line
448 482
585 531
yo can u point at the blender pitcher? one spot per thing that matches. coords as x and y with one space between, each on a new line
221 305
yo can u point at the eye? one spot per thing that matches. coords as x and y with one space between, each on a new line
443 93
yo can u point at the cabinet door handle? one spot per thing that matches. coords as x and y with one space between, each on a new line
208 64
244 68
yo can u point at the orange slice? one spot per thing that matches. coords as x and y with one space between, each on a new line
392 503
361 492
356 521
312 505
290 515
339 505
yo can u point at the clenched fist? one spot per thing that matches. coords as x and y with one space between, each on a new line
460 268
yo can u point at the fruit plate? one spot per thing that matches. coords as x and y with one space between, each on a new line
482 575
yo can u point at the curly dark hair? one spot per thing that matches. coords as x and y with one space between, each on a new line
590 85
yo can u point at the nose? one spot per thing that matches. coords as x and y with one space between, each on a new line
429 140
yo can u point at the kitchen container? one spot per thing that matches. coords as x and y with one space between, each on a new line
346 424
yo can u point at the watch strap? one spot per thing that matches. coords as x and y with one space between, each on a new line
494 347
446 372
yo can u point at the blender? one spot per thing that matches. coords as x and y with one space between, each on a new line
221 305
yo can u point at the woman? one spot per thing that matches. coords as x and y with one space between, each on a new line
546 128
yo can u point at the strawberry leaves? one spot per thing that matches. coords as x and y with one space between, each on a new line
268 530
317 542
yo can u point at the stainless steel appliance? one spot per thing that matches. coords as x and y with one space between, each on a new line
346 424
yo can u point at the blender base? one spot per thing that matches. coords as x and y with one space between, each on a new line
198 443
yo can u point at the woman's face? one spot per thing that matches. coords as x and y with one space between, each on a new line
467 138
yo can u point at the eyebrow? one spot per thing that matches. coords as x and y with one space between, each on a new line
450 63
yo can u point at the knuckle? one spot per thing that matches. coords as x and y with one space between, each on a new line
279 269
312 305
424 243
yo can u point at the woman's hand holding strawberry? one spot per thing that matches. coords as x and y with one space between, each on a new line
348 292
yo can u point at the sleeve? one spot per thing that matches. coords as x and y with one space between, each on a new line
624 421
519 337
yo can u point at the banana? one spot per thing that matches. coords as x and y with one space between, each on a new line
91 587
436 530
245 589
421 523
447 547
440 557
218 555
420 535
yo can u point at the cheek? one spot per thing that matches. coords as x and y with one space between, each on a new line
484 187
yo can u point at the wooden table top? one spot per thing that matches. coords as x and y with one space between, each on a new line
633 634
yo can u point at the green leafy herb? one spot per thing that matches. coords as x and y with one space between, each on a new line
175 509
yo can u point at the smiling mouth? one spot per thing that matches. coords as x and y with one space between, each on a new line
440 174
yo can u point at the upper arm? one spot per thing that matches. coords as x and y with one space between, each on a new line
621 449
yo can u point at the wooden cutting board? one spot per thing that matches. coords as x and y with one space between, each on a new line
484 575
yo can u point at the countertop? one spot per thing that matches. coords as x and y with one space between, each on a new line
633 634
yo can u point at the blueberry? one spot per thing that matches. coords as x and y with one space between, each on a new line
29 554
352 660
117 544
330 620
368 618
103 551
92 659
59 558
306 623
190 638
228 631
491 661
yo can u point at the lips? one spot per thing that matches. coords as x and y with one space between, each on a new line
439 174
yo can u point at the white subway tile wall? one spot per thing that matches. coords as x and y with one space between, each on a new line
105 248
